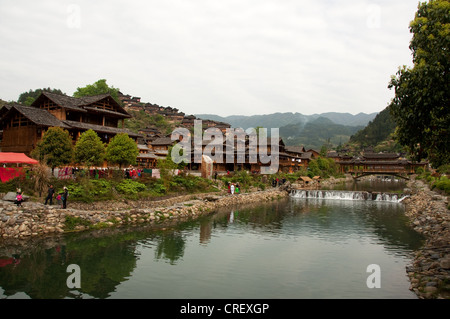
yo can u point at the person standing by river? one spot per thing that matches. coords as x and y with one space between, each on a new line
64 196
50 193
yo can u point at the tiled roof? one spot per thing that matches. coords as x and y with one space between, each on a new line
38 116
162 141
99 128
82 103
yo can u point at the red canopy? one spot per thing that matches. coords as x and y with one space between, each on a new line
19 158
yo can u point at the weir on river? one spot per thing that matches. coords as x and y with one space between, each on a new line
347 195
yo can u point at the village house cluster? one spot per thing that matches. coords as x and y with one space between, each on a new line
23 126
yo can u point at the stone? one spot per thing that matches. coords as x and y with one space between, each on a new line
11 197
445 263
430 289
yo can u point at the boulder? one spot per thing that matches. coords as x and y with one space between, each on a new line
11 197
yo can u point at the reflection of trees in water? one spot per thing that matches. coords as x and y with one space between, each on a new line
170 246
41 274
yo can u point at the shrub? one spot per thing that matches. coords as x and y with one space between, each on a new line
87 190
130 187
443 184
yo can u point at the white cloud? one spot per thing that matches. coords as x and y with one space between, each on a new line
210 56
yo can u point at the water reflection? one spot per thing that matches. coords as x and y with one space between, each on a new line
243 241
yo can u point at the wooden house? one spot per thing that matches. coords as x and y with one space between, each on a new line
315 153
23 126
304 181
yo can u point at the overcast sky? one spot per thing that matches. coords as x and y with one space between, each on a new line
225 57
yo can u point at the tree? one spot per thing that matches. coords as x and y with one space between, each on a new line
122 150
27 98
99 87
89 149
55 148
421 103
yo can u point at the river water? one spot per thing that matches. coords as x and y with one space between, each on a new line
291 248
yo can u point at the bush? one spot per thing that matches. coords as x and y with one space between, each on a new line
130 187
87 190
443 184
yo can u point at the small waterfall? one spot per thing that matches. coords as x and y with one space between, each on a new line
347 195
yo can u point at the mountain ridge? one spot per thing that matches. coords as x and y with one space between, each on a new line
279 119
311 131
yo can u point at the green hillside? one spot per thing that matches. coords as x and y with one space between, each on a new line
378 134
316 133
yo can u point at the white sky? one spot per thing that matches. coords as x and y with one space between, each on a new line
225 57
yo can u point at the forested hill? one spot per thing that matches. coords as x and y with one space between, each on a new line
377 131
282 119
310 131
314 134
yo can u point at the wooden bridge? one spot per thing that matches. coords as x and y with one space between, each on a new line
400 173
379 164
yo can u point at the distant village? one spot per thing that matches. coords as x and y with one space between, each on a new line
23 126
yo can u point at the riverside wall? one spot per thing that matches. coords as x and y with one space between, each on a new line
34 219
429 215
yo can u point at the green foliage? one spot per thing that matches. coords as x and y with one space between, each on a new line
444 169
99 87
141 119
130 187
89 149
159 189
122 150
376 132
55 148
27 98
421 102
443 184
316 133
323 167
87 190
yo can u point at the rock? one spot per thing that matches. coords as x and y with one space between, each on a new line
445 263
430 289
11 197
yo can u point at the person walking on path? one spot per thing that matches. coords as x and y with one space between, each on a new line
64 196
50 193
232 189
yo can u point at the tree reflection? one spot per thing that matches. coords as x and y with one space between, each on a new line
170 246
105 262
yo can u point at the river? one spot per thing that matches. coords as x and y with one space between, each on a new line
291 248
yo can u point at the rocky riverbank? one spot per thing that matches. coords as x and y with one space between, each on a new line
34 219
429 215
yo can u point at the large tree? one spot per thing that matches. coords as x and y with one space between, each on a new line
421 103
99 87
55 148
122 150
27 98
89 149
